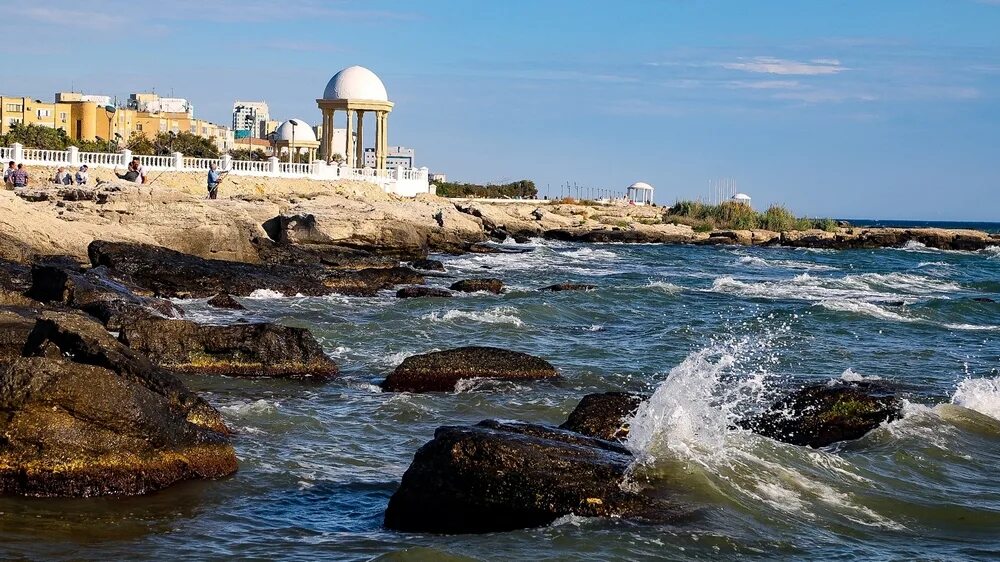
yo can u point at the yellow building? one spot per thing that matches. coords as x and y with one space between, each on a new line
83 118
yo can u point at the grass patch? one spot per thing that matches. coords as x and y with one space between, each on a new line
740 216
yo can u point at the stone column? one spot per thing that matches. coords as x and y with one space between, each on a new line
384 149
348 146
360 145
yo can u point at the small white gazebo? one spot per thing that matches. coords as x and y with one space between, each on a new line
295 135
741 198
639 193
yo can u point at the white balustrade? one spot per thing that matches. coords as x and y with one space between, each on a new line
401 181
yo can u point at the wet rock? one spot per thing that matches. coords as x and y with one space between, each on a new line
569 287
15 326
489 285
983 299
440 371
225 300
821 414
328 255
427 265
59 334
96 293
604 416
15 280
615 234
500 476
414 292
242 350
79 430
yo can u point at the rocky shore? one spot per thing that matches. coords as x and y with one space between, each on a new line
90 345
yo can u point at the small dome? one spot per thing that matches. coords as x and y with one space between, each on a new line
640 185
295 129
741 197
355 83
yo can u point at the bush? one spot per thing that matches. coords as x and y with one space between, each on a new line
523 189
740 216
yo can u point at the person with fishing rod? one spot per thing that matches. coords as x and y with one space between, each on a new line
214 179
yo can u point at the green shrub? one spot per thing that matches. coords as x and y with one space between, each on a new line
740 216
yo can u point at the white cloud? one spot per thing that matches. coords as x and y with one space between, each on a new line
784 67
765 84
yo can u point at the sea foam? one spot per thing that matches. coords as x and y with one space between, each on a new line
981 395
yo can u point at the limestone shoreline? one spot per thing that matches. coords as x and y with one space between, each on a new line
172 212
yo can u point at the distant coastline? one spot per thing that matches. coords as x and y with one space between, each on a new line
990 227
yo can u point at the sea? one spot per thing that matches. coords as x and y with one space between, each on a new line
710 333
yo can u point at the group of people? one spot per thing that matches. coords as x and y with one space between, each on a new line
16 176
63 177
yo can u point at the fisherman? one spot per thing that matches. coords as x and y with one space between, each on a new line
214 179
82 175
131 175
139 170
20 177
8 174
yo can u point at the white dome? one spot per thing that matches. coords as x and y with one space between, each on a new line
355 83
741 197
295 129
640 185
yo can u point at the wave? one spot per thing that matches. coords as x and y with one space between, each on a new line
591 254
981 395
867 287
849 375
971 327
866 308
265 294
498 315
755 261
255 408
992 252
665 287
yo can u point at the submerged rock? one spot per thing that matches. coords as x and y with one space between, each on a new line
427 265
821 414
71 429
225 300
440 371
489 285
569 287
605 415
414 292
500 476
254 350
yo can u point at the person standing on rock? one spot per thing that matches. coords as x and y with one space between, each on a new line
8 173
20 177
214 179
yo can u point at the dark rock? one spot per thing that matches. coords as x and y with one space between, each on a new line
414 292
96 293
499 476
428 265
489 285
821 414
983 299
70 429
569 287
609 235
440 371
225 300
58 334
15 326
604 416
170 274
313 255
15 280
247 350
521 239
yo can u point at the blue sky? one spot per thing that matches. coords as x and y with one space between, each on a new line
847 108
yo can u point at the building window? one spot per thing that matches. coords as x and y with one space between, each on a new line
194 129
44 113
14 107
13 121
62 116
139 127
163 127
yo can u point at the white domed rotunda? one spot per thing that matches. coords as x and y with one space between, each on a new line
295 136
356 91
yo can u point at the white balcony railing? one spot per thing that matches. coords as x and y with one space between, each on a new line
398 180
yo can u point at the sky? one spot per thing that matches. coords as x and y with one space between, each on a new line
884 109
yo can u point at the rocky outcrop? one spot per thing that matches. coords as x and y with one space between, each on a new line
500 476
225 300
15 326
415 292
489 285
243 350
440 371
71 429
96 293
15 280
569 287
58 334
604 416
821 414
171 274
870 238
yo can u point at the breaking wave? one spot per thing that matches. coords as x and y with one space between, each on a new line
981 395
755 261
498 315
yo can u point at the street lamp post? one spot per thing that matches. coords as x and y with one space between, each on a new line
110 110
